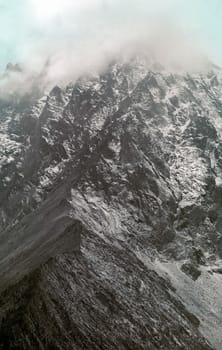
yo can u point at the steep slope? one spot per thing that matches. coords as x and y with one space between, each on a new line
129 160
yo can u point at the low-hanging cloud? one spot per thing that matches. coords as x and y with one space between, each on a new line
73 38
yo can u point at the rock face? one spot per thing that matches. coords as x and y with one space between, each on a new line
104 185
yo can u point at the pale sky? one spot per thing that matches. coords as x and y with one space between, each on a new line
29 24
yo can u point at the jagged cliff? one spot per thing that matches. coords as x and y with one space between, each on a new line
110 221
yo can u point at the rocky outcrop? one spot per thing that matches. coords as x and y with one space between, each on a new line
130 161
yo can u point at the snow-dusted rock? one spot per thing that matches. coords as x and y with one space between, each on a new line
131 161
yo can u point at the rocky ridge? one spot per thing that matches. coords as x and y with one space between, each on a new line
110 221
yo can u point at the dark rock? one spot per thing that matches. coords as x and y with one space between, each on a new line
191 270
111 160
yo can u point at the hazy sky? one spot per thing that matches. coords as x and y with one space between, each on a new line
29 26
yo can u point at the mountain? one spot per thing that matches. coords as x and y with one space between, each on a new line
110 221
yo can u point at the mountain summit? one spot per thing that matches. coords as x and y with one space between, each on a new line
110 221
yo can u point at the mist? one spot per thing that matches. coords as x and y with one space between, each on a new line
67 40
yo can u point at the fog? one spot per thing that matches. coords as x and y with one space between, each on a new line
68 39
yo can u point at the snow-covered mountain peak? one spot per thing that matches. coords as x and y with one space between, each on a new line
110 220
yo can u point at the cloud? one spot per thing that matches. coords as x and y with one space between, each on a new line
68 38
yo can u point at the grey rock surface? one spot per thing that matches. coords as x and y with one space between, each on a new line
110 205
